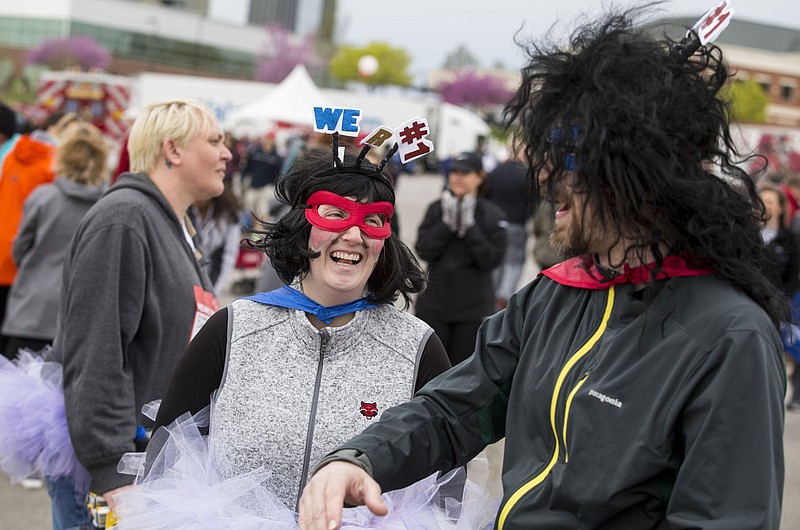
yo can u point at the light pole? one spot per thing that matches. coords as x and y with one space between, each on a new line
367 66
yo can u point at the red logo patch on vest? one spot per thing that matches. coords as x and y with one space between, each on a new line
369 410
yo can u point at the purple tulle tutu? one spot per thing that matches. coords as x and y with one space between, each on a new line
180 488
33 426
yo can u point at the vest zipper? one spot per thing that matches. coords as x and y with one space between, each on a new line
538 479
324 342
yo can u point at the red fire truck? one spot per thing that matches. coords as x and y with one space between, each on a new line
100 98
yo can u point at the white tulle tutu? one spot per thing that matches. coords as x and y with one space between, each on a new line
181 489
33 426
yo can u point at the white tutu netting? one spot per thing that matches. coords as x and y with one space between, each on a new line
34 439
180 488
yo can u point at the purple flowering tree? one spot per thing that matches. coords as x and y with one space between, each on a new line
471 89
67 52
282 53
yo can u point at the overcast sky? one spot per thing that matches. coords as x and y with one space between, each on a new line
430 29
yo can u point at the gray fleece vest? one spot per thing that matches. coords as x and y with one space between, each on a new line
292 393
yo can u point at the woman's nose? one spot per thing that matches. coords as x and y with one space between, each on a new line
353 234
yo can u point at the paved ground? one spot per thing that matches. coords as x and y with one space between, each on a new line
23 509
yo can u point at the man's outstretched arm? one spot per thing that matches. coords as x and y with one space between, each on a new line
330 488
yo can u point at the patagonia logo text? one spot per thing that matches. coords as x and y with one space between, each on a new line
605 399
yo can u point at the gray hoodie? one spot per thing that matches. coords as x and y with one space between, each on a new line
128 306
50 216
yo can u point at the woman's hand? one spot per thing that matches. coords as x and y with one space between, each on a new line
109 496
467 213
449 204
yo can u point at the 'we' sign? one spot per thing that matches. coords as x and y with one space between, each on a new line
331 120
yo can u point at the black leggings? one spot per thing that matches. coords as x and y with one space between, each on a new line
14 344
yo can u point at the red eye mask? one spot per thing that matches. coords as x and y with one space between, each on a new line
340 213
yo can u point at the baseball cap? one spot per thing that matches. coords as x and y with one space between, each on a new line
467 163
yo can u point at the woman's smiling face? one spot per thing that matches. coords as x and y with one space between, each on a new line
346 261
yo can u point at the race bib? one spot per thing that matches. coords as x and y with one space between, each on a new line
206 304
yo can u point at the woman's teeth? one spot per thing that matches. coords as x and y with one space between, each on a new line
346 257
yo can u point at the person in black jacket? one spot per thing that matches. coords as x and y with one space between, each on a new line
507 186
263 166
462 237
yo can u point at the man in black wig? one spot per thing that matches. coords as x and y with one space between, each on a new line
640 383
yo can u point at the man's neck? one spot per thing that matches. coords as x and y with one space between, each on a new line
626 253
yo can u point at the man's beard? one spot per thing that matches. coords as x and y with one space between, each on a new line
569 241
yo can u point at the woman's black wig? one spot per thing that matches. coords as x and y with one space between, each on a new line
285 241
643 128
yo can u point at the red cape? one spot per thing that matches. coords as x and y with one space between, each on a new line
574 273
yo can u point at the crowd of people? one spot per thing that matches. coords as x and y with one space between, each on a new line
627 380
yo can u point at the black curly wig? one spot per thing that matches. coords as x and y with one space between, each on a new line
653 150
285 240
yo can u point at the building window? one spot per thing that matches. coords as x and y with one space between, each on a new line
27 32
764 86
149 48
787 93
266 12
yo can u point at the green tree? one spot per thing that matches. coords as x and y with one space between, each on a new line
392 64
460 59
748 101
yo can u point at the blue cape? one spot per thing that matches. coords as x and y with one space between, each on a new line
294 299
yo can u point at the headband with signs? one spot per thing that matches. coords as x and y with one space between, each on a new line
412 134
705 30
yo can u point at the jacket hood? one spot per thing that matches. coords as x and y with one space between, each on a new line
81 192
28 151
142 183
45 137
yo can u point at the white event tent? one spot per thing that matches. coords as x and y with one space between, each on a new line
291 102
